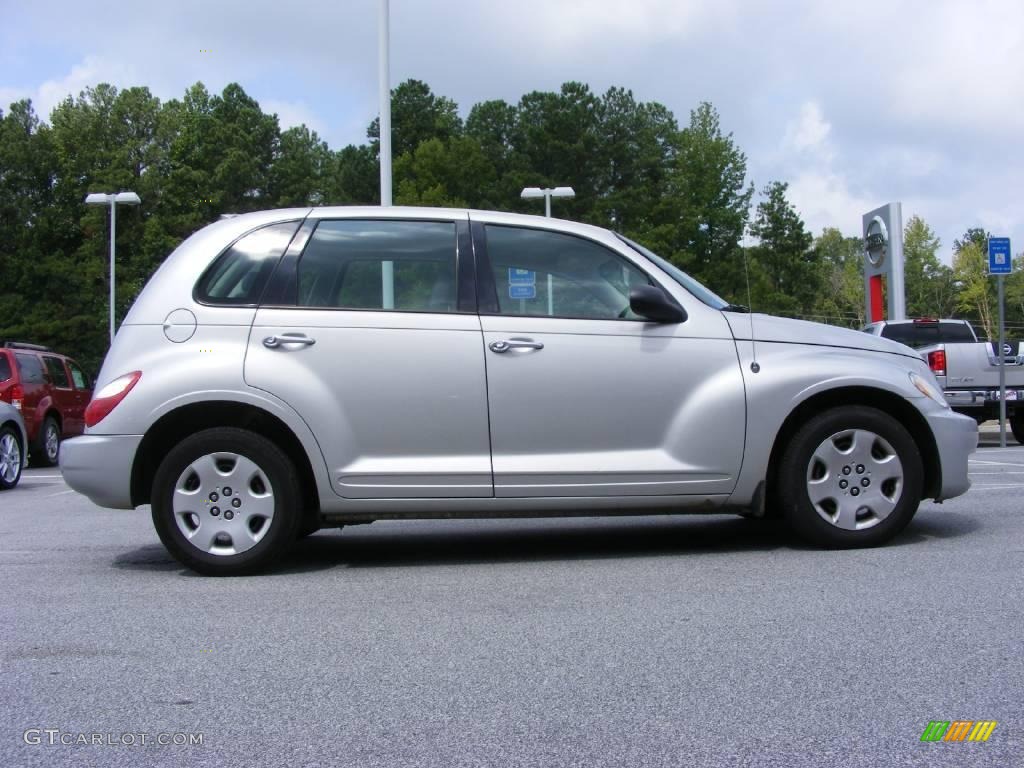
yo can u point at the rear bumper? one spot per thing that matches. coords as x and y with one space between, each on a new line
100 467
981 398
956 438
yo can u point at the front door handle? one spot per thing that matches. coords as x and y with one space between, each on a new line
273 342
506 345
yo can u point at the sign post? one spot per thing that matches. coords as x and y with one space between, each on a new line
883 259
1000 263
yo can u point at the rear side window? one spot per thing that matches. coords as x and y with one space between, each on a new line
30 369
77 376
5 368
347 264
58 375
240 274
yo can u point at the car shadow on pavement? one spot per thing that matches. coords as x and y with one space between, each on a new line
495 541
606 538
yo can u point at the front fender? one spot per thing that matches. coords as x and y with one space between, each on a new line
791 374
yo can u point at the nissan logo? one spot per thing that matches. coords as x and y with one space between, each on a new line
875 240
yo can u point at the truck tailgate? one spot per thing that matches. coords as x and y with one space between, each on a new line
975 366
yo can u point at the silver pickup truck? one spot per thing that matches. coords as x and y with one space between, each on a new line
967 369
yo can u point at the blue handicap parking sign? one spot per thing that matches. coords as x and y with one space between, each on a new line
999 260
522 291
517 276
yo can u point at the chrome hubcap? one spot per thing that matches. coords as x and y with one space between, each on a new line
223 503
52 442
855 479
10 458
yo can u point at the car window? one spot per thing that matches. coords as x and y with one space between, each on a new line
5 368
918 334
345 266
58 375
537 272
904 333
954 333
30 368
240 274
81 382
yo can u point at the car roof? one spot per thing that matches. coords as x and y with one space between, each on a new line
418 212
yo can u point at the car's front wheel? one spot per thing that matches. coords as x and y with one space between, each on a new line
10 458
850 477
226 502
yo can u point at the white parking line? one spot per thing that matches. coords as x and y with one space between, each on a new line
49 495
995 463
994 487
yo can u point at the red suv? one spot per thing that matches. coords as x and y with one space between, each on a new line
51 391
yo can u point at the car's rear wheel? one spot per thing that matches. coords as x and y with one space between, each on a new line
1017 427
10 458
850 477
48 450
226 502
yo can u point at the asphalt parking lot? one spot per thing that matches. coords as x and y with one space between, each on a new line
667 641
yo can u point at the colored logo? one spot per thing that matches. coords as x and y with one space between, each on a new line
958 730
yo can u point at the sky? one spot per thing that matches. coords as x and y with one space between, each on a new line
853 104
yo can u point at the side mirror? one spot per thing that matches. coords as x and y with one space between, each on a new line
653 303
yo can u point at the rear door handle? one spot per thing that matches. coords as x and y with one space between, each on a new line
273 342
505 345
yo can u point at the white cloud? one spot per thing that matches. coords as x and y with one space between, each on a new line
91 71
293 113
563 27
809 132
853 104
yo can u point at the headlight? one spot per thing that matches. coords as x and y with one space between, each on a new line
928 389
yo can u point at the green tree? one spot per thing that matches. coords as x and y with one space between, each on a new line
706 207
355 176
929 284
417 115
784 253
442 173
841 262
636 148
970 267
301 169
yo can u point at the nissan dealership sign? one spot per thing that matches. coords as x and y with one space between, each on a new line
883 263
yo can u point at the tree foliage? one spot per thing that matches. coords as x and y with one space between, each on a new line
683 191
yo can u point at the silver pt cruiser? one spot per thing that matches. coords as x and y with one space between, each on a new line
291 370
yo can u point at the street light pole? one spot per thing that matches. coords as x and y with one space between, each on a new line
547 193
113 248
387 268
384 87
125 198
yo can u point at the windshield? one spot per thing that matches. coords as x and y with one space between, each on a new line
707 296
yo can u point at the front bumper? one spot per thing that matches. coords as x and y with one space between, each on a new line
956 438
100 466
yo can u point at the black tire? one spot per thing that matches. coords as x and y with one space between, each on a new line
795 468
280 474
1017 427
46 452
309 526
7 431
